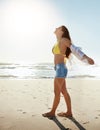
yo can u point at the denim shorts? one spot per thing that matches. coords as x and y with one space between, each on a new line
61 70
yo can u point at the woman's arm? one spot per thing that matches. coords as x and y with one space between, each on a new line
77 52
81 55
87 59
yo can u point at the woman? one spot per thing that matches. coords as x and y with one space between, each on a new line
61 51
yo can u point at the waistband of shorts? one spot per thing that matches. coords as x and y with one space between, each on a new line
60 64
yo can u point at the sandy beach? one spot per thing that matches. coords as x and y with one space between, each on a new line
22 103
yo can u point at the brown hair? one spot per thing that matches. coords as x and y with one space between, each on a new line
66 35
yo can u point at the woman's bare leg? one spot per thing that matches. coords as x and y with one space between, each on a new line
57 90
58 83
67 100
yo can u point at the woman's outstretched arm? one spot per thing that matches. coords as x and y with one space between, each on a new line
81 55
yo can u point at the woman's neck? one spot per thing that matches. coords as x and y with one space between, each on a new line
59 38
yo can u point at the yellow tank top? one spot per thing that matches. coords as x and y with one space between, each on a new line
56 49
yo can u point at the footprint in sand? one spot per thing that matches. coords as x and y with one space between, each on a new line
19 110
86 122
26 85
24 112
33 115
34 97
1 116
96 117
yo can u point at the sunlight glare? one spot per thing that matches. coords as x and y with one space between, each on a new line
27 28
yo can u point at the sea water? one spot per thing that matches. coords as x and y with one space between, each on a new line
46 70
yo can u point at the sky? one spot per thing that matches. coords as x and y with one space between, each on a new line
27 28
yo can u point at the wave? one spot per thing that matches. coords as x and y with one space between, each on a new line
45 70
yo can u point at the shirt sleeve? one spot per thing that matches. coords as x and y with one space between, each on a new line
77 51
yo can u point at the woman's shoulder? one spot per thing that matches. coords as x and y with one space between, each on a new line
66 41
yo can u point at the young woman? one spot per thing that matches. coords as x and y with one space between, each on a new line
61 50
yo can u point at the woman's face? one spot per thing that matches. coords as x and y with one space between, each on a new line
58 31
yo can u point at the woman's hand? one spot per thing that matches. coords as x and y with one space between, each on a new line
89 60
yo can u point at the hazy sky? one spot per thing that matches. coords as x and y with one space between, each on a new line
27 26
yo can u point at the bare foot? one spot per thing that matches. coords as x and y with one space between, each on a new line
49 114
64 114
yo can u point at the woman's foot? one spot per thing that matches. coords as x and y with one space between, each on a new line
49 114
64 114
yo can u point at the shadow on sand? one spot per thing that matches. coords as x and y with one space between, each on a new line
58 123
76 123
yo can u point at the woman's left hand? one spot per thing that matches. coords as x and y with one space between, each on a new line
90 61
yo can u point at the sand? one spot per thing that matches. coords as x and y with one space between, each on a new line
22 103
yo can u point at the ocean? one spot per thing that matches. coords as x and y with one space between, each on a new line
46 70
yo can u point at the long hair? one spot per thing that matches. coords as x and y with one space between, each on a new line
66 35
